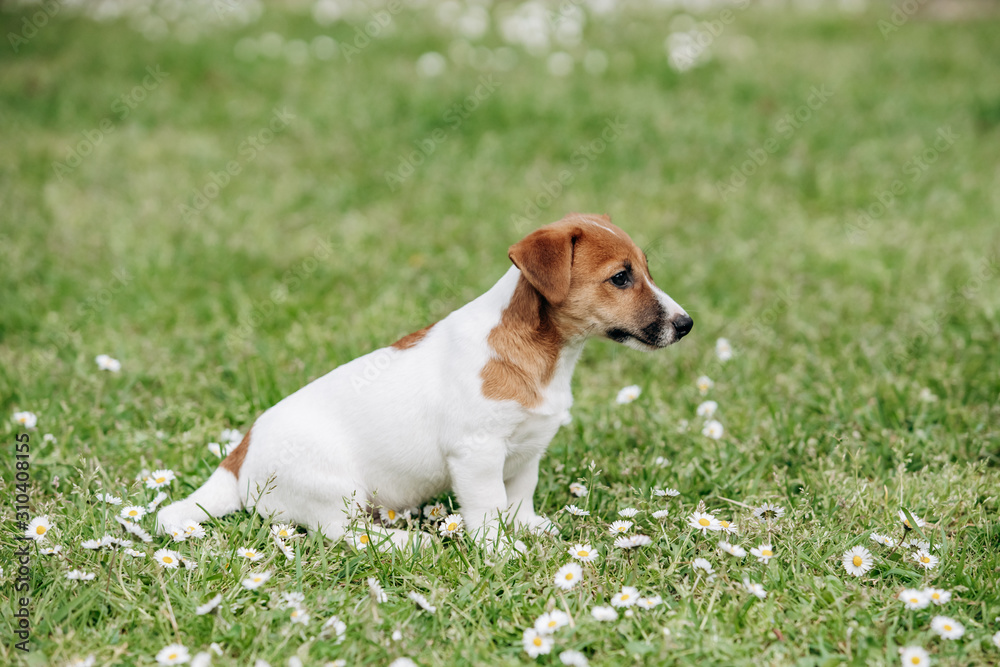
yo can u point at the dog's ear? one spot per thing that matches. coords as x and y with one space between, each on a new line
545 258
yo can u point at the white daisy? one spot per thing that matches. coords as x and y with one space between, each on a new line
649 602
193 529
660 493
80 575
26 419
578 489
549 622
451 526
702 564
51 551
222 450
174 654
39 528
755 589
48 437
906 523
230 435
660 514
626 598
628 394
728 527
300 616
914 599
628 512
160 478
108 498
733 549
256 580
707 409
857 561
167 558
938 596
106 363
251 555
568 576
996 639
619 527
604 614
283 530
535 643
884 540
92 544
713 429
132 512
201 610
723 350
576 511
89 661
633 541
285 548
573 659
134 553
764 553
704 383
390 517
704 522
338 626
926 560
927 396
421 602
376 591
947 628
435 511
135 529
769 511
914 656
583 553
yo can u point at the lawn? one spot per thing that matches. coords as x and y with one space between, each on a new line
231 200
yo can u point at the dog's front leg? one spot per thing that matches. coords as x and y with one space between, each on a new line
520 494
477 479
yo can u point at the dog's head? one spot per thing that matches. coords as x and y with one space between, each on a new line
597 281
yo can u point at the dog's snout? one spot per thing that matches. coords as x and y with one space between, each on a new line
682 324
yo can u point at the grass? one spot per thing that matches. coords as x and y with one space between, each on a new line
311 256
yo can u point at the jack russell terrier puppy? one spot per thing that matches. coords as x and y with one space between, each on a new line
469 403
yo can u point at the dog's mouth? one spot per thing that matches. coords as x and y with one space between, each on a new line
638 341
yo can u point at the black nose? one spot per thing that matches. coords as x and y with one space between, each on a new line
682 325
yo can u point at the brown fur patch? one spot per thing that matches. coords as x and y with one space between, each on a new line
409 340
234 461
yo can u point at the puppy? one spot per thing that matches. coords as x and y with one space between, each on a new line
468 404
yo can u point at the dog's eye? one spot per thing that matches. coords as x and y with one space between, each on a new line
621 279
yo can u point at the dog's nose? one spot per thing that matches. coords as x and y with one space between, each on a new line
682 325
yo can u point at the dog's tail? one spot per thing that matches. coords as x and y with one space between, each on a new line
218 496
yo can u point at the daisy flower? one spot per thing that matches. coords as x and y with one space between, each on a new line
927 396
733 549
82 662
947 628
108 498
178 535
174 654
704 383
132 512
92 544
702 564
201 610
707 409
922 545
230 435
583 553
535 643
704 522
576 511
573 659
926 560
996 639
435 511
578 489
660 493
376 591
626 598
167 558
857 561
451 526
619 527
649 602
938 596
568 576
80 575
338 626
906 523
628 512
914 599
713 429
604 614
26 419
360 540
151 507
632 541
286 549
389 516
135 529
728 527
769 511
421 602
884 540
628 394
914 656
300 616
106 363
283 530
660 514
251 555
134 553
754 589
764 553
256 580
723 350
548 623
222 450
160 478
39 528
51 551
193 529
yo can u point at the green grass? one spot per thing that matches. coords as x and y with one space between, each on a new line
308 258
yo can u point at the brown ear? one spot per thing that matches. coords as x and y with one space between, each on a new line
545 258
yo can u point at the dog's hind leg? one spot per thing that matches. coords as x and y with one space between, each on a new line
218 496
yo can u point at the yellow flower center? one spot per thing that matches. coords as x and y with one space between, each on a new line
625 596
552 624
172 656
704 522
364 539
925 559
392 515
161 480
569 576
948 628
914 600
857 560
935 596
40 530
282 533
257 580
537 641
915 660
168 559
132 512
766 552
724 524
582 553
452 526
